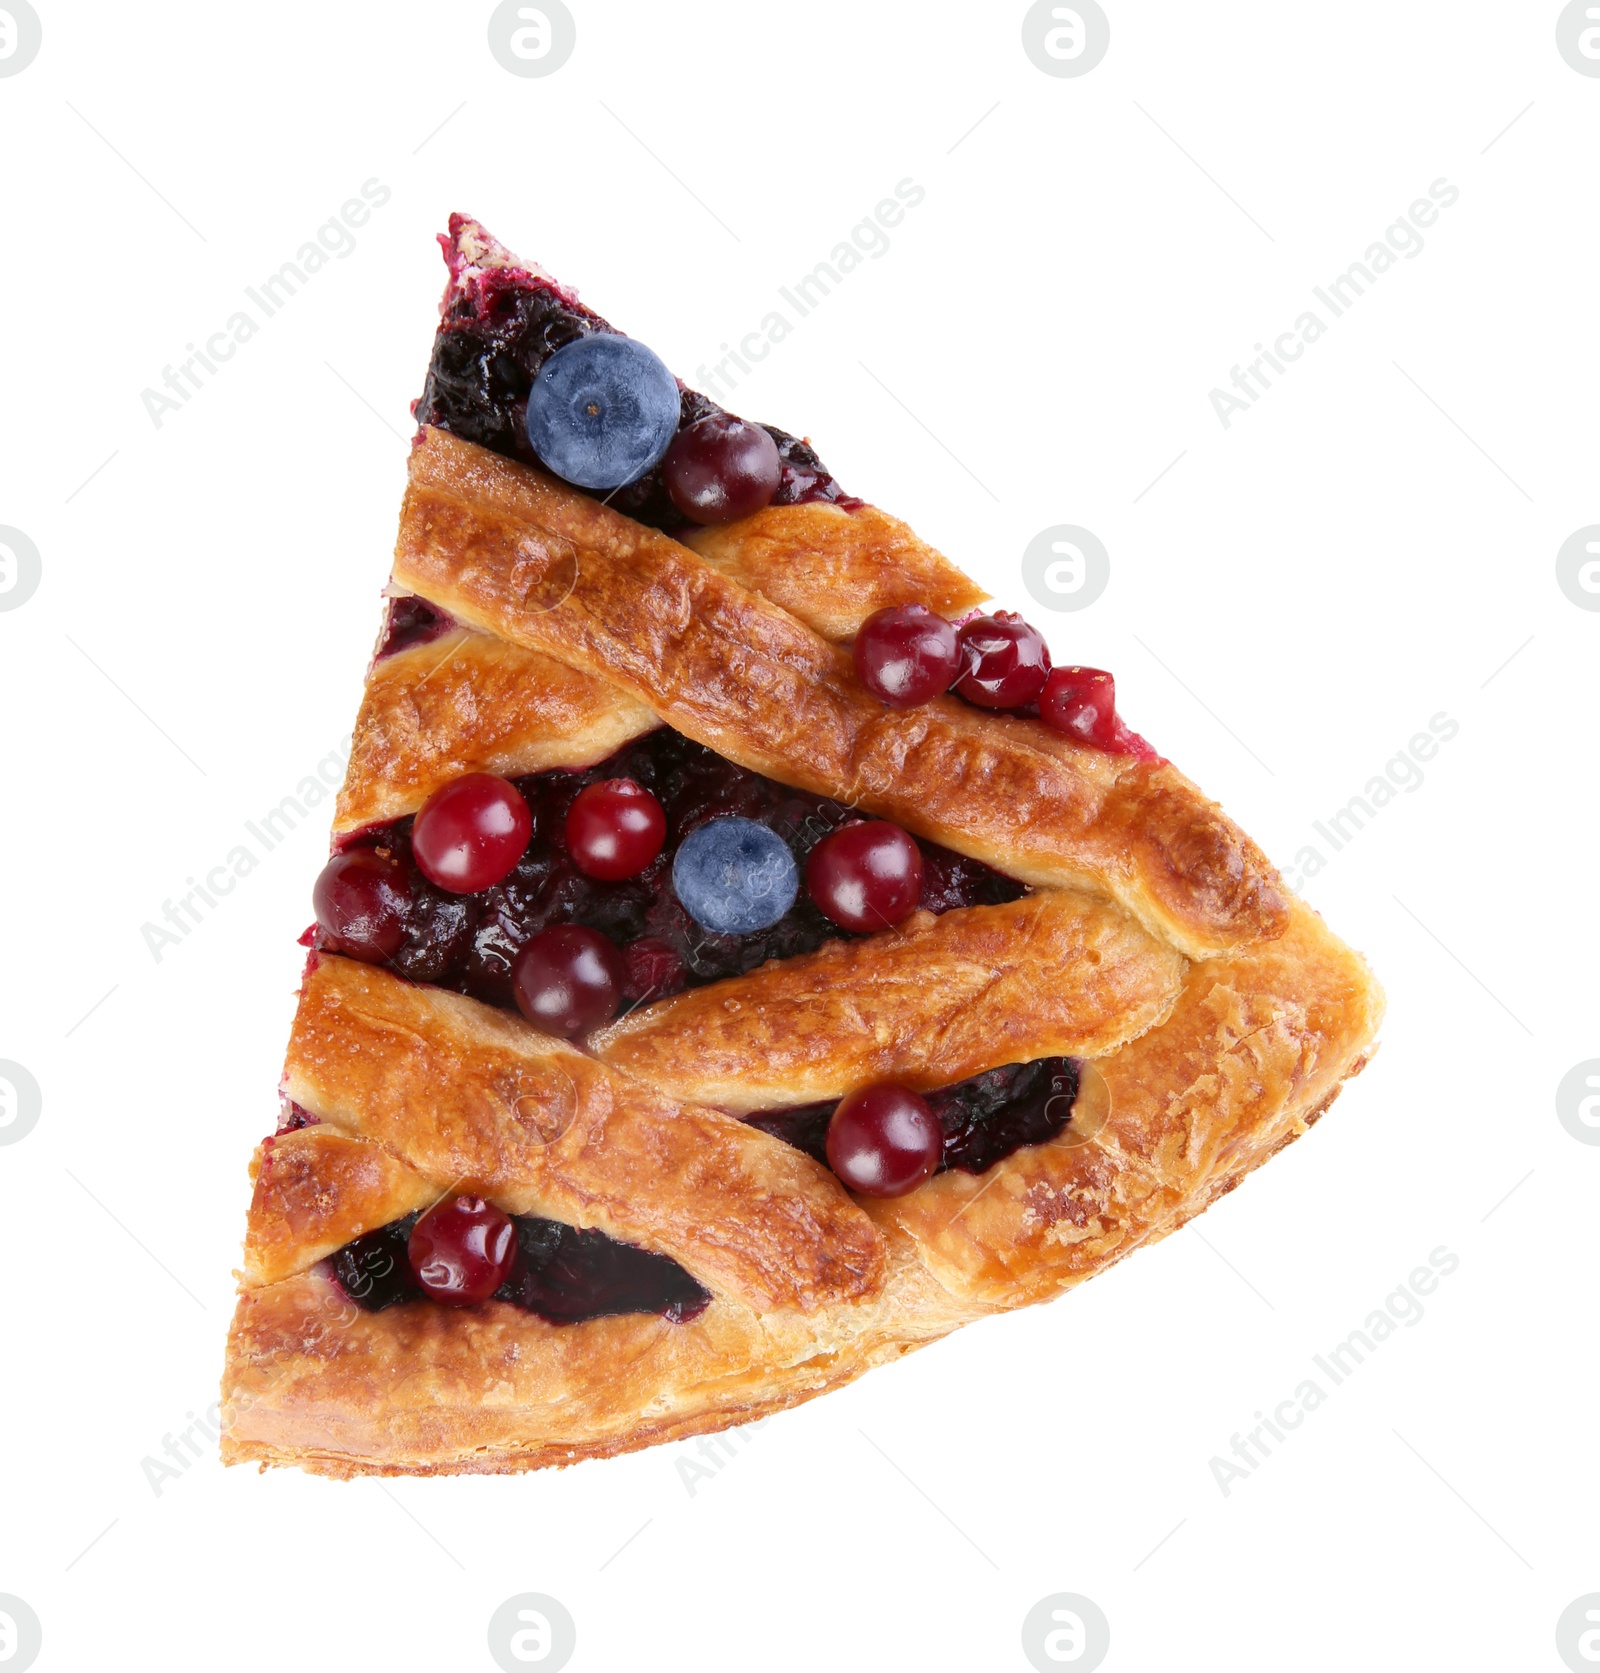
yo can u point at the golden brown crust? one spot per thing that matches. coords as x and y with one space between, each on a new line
419 1389
315 1190
1256 1045
475 1100
516 553
470 703
928 1004
831 568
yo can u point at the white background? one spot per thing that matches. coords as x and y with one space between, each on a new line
1288 604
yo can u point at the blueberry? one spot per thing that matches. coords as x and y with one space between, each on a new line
735 877
602 411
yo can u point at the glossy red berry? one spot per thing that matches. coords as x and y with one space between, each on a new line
884 1141
362 900
720 468
568 979
867 876
462 1250
1006 661
906 655
471 832
615 829
1082 703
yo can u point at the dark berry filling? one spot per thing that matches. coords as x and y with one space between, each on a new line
567 1275
984 1118
291 1118
492 341
470 942
409 621
560 1273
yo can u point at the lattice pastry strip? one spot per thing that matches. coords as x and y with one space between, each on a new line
475 1100
512 552
1056 974
469 702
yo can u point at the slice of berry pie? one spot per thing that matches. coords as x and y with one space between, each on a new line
742 959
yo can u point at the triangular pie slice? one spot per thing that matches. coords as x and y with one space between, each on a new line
487 1238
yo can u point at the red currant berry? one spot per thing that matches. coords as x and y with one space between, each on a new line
615 829
568 980
884 1141
1006 661
906 655
866 876
1082 703
462 1250
470 833
720 469
362 902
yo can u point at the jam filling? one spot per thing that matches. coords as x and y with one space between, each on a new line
563 1274
491 342
291 1118
470 942
407 621
984 1118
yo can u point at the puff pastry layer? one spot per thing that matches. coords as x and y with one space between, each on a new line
927 1004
